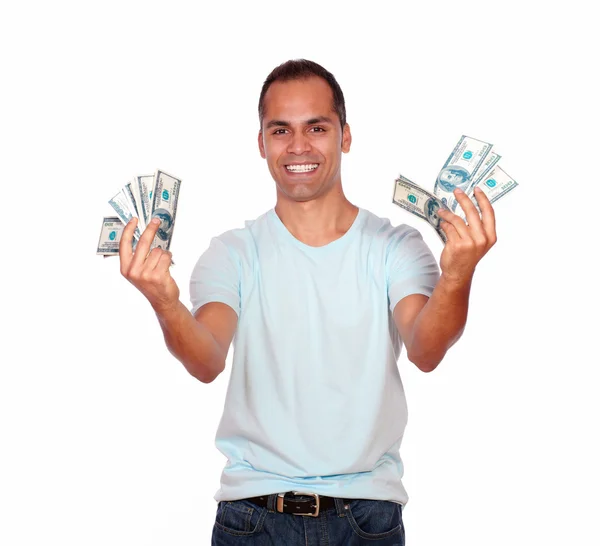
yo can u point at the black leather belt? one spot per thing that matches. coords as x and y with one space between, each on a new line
293 503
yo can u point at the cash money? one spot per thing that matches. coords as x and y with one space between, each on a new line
164 207
479 174
495 185
135 206
464 161
139 199
472 164
110 236
119 203
419 202
145 189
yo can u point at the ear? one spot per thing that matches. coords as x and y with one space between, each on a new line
261 145
346 139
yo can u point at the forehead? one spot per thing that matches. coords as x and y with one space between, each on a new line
297 100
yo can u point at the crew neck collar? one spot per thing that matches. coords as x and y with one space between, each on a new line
333 244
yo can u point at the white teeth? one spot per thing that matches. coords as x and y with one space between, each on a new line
302 168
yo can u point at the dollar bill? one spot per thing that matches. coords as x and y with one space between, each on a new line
490 161
464 161
145 189
419 202
121 206
164 207
133 200
496 184
110 236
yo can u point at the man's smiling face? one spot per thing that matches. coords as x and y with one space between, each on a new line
301 138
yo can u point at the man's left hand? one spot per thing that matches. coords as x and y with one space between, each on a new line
467 242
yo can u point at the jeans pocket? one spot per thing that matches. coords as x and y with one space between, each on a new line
240 517
375 519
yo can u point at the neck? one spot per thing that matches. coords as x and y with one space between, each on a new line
319 221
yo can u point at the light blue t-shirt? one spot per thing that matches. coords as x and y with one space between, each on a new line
315 402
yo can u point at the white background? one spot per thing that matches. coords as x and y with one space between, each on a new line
106 439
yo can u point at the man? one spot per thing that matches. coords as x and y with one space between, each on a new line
320 295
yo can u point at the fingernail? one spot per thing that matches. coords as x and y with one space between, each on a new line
155 221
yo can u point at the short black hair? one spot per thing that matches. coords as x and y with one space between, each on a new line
298 69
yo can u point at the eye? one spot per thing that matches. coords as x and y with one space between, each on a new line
279 131
318 129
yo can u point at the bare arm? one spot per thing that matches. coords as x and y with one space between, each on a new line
200 343
430 326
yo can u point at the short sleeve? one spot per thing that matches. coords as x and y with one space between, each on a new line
216 277
410 265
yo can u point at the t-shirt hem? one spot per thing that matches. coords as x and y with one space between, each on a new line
216 298
425 291
345 491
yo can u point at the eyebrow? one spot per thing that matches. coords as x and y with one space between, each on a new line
311 121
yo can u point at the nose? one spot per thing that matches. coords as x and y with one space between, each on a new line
298 144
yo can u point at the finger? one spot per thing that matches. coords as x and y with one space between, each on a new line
125 245
153 259
456 222
476 227
164 263
450 231
143 246
471 214
488 216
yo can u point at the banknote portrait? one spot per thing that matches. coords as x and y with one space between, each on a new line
452 177
431 209
166 223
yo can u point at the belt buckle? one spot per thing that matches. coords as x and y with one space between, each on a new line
315 495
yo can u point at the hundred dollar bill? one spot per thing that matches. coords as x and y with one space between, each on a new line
110 236
145 189
164 207
466 158
421 203
490 161
495 185
119 203
133 200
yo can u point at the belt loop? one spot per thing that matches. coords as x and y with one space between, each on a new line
340 505
272 502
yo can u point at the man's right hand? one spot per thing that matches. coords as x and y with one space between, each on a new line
149 273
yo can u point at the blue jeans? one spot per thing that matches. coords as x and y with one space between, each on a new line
353 523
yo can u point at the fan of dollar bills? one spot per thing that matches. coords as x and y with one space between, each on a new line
472 164
145 197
